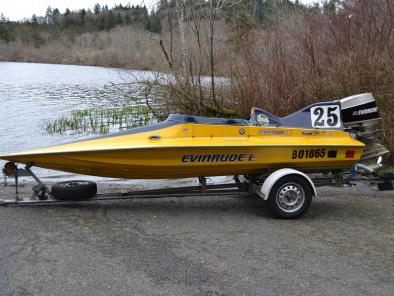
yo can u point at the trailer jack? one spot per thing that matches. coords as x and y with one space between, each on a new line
40 190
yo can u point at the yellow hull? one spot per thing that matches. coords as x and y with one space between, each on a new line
192 150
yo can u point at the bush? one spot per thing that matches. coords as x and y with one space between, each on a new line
302 55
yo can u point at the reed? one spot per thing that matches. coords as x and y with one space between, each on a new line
101 120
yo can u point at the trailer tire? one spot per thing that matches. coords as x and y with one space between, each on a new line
290 197
74 190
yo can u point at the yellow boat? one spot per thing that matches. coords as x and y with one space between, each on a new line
312 139
179 149
274 153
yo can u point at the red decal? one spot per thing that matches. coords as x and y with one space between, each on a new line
349 154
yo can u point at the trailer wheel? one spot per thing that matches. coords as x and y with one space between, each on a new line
290 197
74 190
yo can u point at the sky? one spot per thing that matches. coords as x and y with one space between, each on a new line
20 9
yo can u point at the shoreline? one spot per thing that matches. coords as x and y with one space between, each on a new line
143 69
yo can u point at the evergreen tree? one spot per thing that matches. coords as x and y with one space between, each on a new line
56 13
97 9
49 15
127 19
163 4
82 14
34 20
101 23
154 24
6 33
110 21
118 20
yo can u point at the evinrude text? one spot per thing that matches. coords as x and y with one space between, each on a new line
218 157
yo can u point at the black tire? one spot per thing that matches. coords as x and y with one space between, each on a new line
290 197
74 190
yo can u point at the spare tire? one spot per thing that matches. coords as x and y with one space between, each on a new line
74 190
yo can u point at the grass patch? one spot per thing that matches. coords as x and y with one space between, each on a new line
389 169
101 120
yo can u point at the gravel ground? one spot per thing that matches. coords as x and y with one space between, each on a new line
344 245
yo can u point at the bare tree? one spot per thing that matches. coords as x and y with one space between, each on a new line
181 11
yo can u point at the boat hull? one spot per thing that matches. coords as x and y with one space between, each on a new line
173 150
170 162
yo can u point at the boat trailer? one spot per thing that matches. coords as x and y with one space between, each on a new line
287 201
42 195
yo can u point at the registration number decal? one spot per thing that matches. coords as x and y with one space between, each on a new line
309 153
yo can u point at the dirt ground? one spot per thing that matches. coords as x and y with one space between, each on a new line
344 245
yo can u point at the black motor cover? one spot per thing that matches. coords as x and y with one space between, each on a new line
359 108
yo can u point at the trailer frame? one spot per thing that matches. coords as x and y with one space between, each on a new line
242 186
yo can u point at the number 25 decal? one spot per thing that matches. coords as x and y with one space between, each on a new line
326 116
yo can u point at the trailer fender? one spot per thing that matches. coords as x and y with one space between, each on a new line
265 190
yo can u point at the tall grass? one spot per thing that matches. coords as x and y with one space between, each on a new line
100 120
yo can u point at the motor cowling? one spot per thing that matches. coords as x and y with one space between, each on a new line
361 118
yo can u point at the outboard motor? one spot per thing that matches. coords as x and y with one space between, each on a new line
360 117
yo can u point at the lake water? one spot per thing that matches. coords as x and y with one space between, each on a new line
32 94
